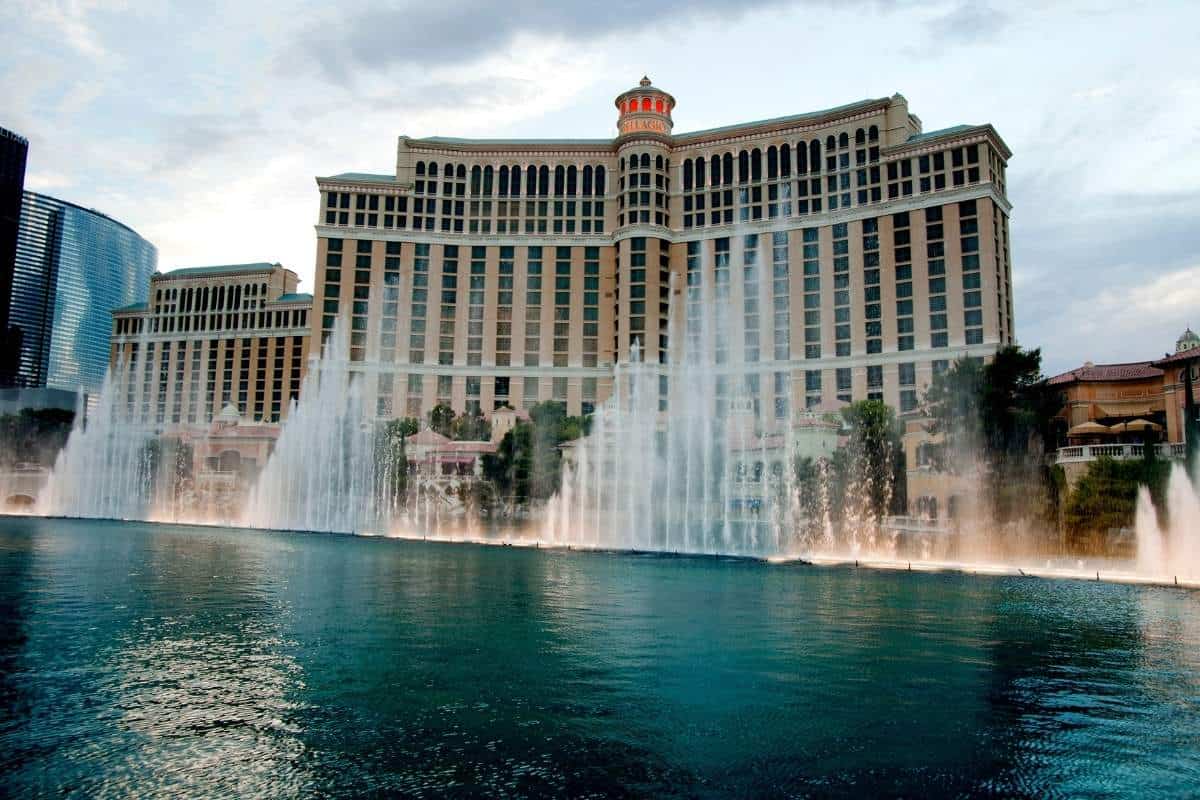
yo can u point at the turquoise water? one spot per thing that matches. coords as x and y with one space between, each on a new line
160 661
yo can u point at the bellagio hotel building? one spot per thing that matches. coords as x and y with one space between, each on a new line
856 253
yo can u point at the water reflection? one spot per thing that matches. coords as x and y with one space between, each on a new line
154 660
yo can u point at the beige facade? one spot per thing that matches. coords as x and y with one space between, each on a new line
214 337
833 256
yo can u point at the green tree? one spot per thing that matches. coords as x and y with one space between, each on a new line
527 464
405 426
1001 417
1105 498
470 427
872 459
441 418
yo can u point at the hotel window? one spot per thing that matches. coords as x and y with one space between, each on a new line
391 303
968 223
416 387
477 299
781 296
841 290
529 393
277 372
591 305
533 306
812 293
562 305
418 310
844 384
875 382
750 298
935 251
504 300
871 286
721 293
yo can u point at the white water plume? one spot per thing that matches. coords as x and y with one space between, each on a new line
1172 549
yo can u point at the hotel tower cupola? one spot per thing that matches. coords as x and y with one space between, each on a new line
644 109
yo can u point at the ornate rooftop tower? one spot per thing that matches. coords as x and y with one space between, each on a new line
644 109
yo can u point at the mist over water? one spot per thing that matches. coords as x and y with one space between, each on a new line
322 475
685 456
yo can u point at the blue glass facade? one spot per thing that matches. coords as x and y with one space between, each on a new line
73 267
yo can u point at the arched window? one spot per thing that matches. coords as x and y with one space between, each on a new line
504 181
421 168
433 169
743 166
715 163
600 181
622 163
487 181
530 180
515 189
830 143
844 139
572 181
448 171
645 104
658 163
785 161
461 174
727 169
560 180
687 175
873 133
801 158
658 105
756 164
587 180
700 173
543 181
476 180
645 161
814 156
860 136
772 163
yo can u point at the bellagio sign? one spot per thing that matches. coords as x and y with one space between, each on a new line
633 124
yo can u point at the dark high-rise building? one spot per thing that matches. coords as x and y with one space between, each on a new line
73 267
13 152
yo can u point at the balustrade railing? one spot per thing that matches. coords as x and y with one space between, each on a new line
1119 452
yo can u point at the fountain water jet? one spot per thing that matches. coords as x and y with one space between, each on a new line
1173 549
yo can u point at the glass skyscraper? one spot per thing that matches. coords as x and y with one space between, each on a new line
73 267
13 151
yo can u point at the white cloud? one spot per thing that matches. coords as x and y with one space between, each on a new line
202 125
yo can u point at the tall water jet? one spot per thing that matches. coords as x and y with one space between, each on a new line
1172 549
322 474
114 465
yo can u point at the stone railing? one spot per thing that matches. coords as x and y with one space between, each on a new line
1118 452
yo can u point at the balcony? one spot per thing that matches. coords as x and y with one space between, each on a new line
1120 452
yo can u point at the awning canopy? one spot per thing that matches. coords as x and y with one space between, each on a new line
1090 429
1139 408
1135 426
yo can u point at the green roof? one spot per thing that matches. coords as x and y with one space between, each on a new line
916 137
456 140
132 307
293 298
220 269
361 177
782 120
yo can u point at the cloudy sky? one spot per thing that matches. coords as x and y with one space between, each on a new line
202 125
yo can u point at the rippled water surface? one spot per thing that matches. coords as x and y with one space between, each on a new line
159 661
